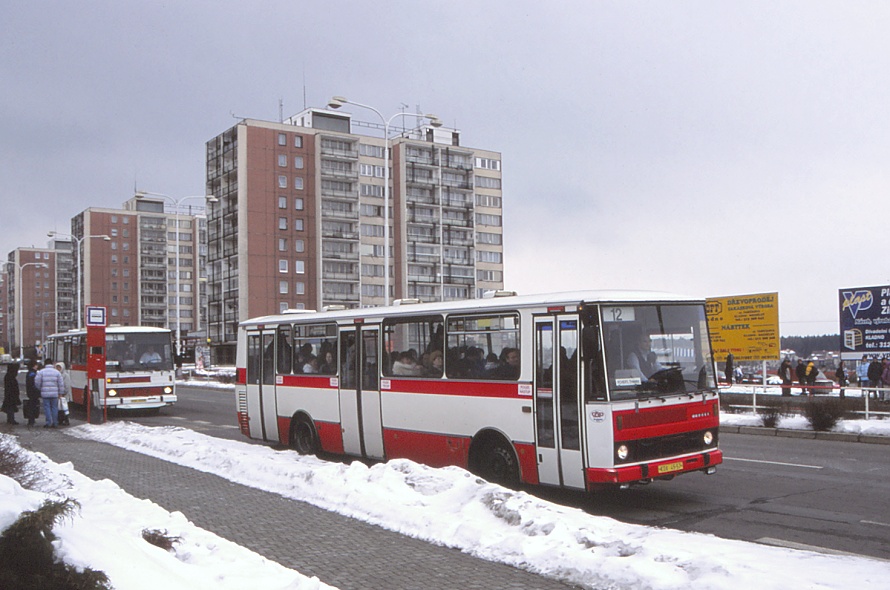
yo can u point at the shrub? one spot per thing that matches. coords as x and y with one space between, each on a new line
771 410
823 415
27 557
15 464
160 539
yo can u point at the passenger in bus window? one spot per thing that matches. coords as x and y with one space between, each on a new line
436 364
329 364
510 364
406 365
311 365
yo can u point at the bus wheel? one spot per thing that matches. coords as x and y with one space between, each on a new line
303 438
496 462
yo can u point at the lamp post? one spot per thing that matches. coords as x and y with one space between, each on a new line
21 312
177 203
79 242
335 103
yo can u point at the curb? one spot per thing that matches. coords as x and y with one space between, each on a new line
808 434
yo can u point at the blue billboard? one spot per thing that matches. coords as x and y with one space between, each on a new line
865 321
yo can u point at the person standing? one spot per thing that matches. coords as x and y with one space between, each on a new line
12 398
874 376
729 369
32 406
51 385
885 379
65 396
785 376
811 373
801 373
841 376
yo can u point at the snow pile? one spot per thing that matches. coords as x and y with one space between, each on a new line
106 534
454 508
867 427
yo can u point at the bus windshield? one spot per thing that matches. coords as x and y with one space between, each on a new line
656 350
139 351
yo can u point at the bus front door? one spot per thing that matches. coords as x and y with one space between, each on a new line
557 408
262 407
360 413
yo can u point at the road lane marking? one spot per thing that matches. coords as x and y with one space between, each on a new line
874 522
774 463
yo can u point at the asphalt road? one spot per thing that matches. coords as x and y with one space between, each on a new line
804 493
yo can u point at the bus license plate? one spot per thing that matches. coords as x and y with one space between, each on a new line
670 467
137 400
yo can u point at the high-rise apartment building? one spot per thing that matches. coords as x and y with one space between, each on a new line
300 221
133 273
30 296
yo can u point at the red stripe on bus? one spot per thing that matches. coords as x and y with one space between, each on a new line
330 435
144 379
312 381
242 376
448 387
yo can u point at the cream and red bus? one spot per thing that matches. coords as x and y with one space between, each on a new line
581 390
139 367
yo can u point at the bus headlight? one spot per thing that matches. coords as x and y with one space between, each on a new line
622 452
168 389
112 392
708 437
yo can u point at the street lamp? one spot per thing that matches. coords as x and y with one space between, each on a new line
335 103
21 312
106 237
177 203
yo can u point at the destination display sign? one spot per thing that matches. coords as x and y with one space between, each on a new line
865 321
745 325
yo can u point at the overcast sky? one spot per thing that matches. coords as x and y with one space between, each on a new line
708 148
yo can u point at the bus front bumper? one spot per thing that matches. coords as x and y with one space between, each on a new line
650 470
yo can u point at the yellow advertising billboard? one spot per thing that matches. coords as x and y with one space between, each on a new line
745 325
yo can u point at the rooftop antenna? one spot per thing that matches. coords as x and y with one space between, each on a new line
304 89
280 110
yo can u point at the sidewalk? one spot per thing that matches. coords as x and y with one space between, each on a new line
341 551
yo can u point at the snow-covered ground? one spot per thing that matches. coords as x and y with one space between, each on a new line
445 506
869 427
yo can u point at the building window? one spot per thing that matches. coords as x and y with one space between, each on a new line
298 203
488 164
300 245
282 202
488 201
300 288
298 225
298 141
485 219
375 151
300 267
282 181
298 162
489 275
282 223
486 182
114 232
282 139
488 238
282 287
371 190
372 230
282 244
298 183
282 160
486 256
282 266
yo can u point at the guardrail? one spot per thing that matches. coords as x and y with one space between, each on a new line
797 391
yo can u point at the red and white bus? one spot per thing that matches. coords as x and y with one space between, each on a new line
581 390
139 369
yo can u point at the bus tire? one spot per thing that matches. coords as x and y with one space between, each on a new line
303 437
494 459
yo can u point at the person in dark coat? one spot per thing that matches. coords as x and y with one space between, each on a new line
11 395
874 376
801 372
32 404
841 376
785 376
729 370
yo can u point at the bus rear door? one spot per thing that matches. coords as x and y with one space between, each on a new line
360 413
262 406
557 408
